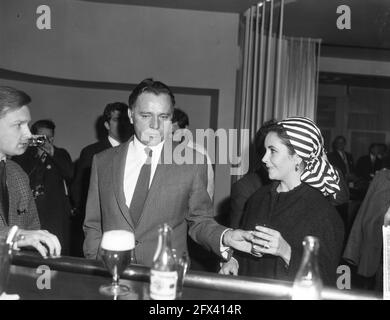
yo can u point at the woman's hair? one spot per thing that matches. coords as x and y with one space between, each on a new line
273 126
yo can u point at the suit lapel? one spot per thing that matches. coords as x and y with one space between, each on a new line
18 193
15 188
119 162
2 213
154 187
158 178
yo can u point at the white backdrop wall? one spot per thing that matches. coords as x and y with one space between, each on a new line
122 44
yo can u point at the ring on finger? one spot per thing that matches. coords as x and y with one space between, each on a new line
266 246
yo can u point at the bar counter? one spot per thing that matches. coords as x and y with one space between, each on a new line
79 279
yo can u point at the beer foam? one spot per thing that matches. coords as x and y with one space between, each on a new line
118 240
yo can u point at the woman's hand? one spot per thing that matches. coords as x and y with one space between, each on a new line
230 267
270 241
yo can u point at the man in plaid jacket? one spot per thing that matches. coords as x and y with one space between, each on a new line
17 206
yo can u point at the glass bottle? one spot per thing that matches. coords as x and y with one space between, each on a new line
163 274
308 284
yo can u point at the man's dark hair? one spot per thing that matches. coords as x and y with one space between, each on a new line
115 106
181 118
149 85
45 123
11 98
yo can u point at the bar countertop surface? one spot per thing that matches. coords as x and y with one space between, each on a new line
70 278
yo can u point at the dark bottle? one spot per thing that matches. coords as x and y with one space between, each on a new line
308 284
163 274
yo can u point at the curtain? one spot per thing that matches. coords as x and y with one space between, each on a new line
278 75
299 84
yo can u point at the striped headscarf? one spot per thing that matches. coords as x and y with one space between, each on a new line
308 143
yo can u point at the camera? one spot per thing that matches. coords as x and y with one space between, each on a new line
37 140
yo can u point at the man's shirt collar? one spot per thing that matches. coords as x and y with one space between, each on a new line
140 147
113 141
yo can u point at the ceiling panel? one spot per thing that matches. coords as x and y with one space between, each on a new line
370 19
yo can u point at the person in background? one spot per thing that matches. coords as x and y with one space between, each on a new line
50 170
117 130
201 259
293 206
244 188
367 165
17 206
342 159
180 124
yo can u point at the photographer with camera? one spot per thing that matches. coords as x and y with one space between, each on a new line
50 169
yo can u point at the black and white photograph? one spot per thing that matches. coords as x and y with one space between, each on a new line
210 152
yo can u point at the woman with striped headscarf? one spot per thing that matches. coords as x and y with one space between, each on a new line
293 206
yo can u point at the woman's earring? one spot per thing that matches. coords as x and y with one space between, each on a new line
297 167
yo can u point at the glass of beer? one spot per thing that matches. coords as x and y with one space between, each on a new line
116 252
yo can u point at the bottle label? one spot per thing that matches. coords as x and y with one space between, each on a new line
163 285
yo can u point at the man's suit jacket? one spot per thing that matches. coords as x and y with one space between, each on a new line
178 195
336 160
365 168
22 209
365 244
80 185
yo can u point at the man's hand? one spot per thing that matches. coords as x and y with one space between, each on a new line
49 148
238 239
230 267
42 240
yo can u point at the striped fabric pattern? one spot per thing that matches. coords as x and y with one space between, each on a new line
308 143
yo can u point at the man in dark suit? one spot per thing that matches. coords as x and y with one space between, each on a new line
17 205
132 188
118 130
116 122
50 169
367 165
342 159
